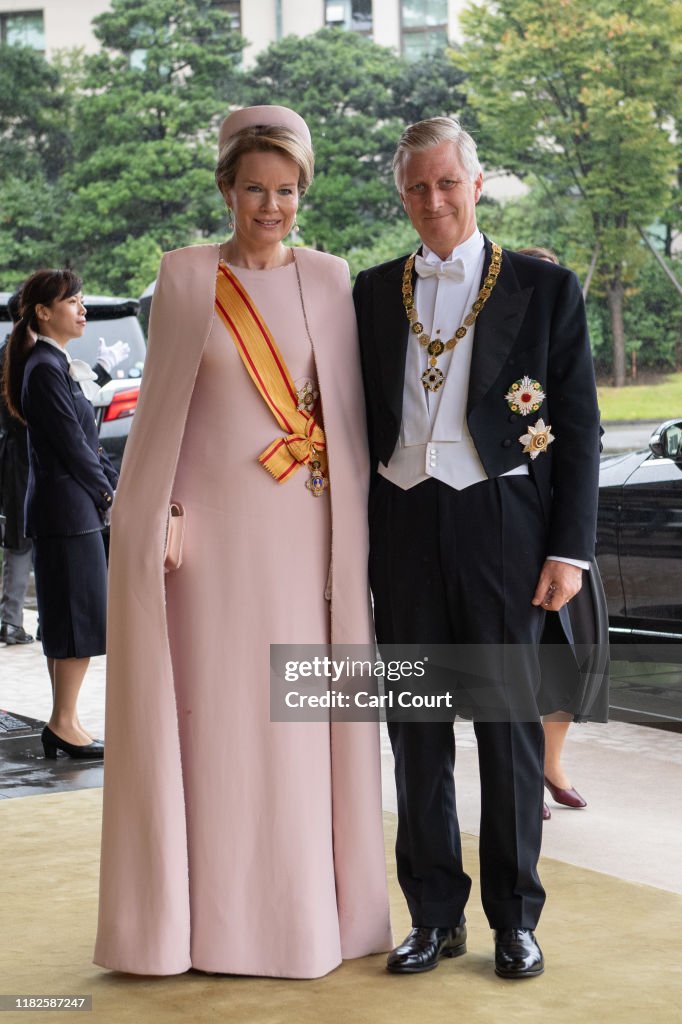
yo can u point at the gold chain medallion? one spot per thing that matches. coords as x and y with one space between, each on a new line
433 378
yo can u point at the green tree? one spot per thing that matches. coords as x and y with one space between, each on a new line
34 122
580 94
356 97
30 212
152 98
394 240
35 148
541 217
653 318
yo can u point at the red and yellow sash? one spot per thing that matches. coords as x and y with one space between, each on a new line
305 441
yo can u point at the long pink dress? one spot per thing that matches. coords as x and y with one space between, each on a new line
284 871
259 814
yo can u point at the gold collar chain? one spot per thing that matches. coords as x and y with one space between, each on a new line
433 378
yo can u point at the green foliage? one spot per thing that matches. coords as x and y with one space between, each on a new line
576 92
653 317
653 309
35 147
356 97
127 268
395 240
30 217
142 178
582 93
34 128
541 217
106 160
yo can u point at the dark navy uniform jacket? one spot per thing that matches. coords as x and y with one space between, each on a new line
70 478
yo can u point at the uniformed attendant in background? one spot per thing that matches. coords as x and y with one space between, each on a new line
16 557
69 493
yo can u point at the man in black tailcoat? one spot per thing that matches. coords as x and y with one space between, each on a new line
484 437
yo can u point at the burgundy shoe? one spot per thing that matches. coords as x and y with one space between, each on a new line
567 797
546 813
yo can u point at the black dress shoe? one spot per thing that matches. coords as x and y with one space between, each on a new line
52 743
517 954
424 947
10 634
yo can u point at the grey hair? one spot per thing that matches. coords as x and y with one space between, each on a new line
433 132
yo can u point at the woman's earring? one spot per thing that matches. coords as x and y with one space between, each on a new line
295 228
230 220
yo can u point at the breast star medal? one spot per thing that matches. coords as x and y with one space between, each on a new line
318 481
525 396
307 396
537 439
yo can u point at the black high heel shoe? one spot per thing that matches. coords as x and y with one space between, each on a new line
52 743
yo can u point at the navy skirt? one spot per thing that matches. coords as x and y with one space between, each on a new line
71 591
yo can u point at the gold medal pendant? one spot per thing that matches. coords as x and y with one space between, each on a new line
318 481
432 379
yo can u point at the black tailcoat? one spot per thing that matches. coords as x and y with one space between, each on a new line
533 324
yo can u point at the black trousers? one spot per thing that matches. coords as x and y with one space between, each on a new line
451 566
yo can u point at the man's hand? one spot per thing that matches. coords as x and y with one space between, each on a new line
558 583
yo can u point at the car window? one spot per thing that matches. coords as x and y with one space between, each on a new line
126 329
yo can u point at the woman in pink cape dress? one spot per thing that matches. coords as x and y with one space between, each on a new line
232 843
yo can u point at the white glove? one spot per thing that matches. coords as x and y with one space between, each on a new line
109 356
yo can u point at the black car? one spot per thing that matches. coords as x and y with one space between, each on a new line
639 552
114 319
639 537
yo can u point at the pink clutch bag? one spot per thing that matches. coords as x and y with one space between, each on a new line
175 530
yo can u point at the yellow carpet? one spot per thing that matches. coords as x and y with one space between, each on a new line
612 948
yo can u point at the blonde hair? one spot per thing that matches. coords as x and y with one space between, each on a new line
432 132
264 138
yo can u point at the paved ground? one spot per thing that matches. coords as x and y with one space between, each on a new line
628 436
631 776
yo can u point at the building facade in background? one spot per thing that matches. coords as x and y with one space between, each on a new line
50 25
413 28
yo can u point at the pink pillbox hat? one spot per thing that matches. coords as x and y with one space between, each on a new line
247 117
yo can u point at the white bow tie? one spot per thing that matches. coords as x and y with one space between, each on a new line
453 269
86 377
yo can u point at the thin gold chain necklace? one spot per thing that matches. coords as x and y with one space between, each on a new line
432 378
